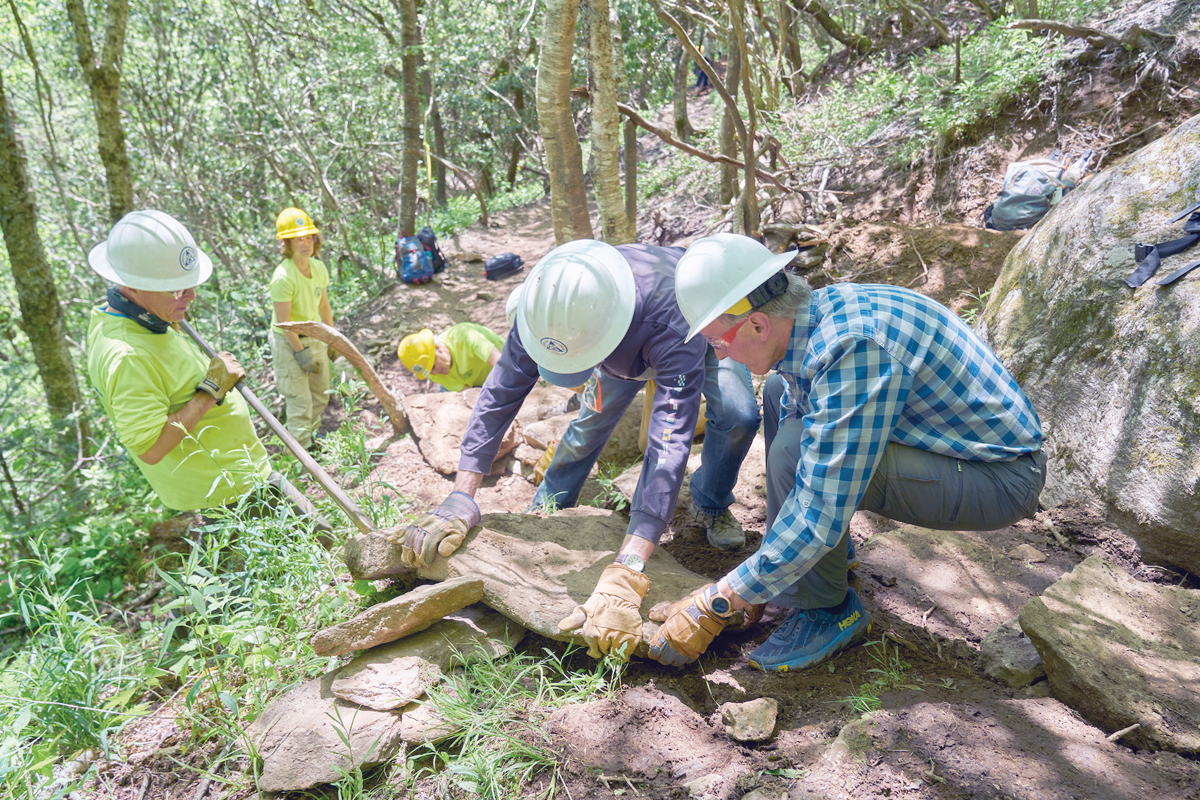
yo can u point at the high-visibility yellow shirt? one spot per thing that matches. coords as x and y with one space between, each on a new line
471 345
288 285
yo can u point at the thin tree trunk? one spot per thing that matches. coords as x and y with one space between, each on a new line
104 83
564 156
606 128
683 125
728 135
860 43
41 313
749 199
411 155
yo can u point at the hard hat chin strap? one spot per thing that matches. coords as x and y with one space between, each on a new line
123 305
767 291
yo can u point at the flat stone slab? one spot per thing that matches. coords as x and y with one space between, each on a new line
438 420
536 570
1121 652
401 616
394 674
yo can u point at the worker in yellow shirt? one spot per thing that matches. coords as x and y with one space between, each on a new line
460 358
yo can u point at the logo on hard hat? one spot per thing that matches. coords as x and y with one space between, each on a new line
187 258
301 222
554 346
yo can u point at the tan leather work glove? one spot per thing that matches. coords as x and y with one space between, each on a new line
689 626
611 619
543 464
440 532
224 372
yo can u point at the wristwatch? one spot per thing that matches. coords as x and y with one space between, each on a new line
631 560
720 604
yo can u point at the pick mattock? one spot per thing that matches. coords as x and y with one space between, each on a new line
360 520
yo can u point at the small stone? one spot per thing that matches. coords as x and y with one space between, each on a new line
752 721
1026 553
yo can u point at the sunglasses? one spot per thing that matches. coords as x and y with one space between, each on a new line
726 338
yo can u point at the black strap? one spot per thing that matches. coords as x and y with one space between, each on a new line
1179 273
123 305
1150 256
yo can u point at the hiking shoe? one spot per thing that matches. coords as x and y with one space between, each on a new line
852 561
808 637
722 530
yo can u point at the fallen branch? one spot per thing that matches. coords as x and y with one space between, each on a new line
390 402
1112 737
1095 38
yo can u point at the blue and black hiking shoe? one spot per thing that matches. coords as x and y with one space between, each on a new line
806 638
852 561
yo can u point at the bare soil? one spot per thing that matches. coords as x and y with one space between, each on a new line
947 731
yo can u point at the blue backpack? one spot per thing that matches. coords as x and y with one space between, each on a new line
413 264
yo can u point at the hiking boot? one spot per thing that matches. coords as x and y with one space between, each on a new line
722 530
852 561
807 637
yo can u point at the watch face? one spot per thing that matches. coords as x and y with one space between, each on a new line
720 605
632 561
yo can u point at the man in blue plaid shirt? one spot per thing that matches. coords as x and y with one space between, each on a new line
882 399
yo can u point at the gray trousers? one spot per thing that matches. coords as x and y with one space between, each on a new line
911 486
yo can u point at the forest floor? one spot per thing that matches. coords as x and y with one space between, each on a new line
944 730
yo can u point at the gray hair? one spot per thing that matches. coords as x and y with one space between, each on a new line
787 304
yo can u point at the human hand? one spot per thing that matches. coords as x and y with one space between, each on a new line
439 532
305 359
689 626
611 619
223 373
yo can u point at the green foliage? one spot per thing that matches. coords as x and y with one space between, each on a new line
920 105
971 312
498 706
610 496
889 672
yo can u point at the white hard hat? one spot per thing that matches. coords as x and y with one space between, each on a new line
576 305
510 305
151 251
718 272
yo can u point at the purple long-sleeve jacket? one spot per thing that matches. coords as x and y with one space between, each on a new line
654 347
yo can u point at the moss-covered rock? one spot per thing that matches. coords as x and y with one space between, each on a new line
1114 373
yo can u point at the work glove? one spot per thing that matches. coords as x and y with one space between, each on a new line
688 626
611 619
306 360
224 372
543 464
440 532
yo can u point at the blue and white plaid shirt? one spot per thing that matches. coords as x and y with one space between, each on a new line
868 365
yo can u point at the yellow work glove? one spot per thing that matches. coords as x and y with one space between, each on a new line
440 532
689 626
224 372
611 619
543 464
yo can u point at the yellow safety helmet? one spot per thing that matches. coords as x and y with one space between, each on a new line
416 353
293 222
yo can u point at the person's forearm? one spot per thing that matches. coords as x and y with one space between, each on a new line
638 546
468 482
178 425
733 597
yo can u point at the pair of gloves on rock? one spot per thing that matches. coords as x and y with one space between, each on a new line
611 619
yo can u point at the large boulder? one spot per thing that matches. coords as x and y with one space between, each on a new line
1114 372
1121 652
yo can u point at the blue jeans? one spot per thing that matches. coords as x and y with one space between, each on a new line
731 421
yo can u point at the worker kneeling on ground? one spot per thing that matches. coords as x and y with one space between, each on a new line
883 400
590 313
172 406
460 358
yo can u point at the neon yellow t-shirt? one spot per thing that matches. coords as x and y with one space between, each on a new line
288 285
142 378
470 346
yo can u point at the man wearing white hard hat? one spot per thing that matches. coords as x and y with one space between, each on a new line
172 406
590 313
882 399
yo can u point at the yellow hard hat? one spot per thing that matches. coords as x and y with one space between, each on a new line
416 352
293 222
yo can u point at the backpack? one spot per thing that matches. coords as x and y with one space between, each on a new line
499 266
413 265
429 242
1032 188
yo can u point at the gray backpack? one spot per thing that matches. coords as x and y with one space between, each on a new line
1032 188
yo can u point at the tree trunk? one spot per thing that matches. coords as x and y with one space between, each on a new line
683 125
728 135
606 128
411 125
791 47
104 83
564 156
41 314
514 158
860 43
749 198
